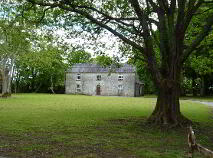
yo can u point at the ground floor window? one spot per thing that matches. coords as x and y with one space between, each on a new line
120 89
78 88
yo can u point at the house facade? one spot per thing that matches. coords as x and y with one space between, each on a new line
93 79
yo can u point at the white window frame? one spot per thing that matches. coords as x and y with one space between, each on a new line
78 77
120 77
98 78
120 87
78 88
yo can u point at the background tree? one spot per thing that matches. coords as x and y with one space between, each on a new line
14 41
41 71
144 75
132 22
103 60
79 56
198 67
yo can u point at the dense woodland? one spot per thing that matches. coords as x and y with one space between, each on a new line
170 42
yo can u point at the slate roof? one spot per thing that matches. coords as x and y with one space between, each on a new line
95 68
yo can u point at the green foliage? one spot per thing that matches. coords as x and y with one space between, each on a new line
36 70
144 75
200 62
14 39
80 56
202 65
104 60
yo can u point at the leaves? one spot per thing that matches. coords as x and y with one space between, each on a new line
78 57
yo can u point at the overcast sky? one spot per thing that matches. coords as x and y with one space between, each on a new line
111 43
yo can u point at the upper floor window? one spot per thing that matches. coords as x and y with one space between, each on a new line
120 77
78 77
98 77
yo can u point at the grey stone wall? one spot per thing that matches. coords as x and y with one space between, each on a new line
109 84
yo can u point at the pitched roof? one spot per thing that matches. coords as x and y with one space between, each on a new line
95 68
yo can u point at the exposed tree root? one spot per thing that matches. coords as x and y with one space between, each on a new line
5 95
160 119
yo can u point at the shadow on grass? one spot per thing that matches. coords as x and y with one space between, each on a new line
124 138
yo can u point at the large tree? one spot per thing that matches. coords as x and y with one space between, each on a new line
13 42
41 70
134 22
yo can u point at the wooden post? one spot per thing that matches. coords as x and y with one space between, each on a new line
194 146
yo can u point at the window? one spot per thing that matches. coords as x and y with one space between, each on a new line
78 88
120 77
120 90
98 77
78 77
120 87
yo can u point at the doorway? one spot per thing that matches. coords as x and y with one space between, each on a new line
98 90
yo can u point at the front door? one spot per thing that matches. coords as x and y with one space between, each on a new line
98 90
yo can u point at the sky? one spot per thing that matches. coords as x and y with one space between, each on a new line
107 43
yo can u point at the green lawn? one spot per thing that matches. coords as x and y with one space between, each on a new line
41 125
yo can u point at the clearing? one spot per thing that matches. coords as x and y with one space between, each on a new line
64 126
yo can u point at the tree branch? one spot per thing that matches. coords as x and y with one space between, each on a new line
205 31
88 16
172 6
181 15
153 4
190 12
44 12
204 11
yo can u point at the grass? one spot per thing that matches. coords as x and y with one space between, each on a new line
59 126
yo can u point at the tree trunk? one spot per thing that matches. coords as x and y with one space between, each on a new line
167 110
6 89
52 85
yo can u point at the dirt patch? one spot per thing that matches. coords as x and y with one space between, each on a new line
41 146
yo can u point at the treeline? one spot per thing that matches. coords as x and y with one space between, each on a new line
44 71
34 59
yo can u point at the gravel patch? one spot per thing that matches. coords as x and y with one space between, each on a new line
203 102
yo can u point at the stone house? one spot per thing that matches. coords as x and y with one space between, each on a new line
93 79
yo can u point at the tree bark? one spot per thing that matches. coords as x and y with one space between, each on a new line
167 109
6 89
52 85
